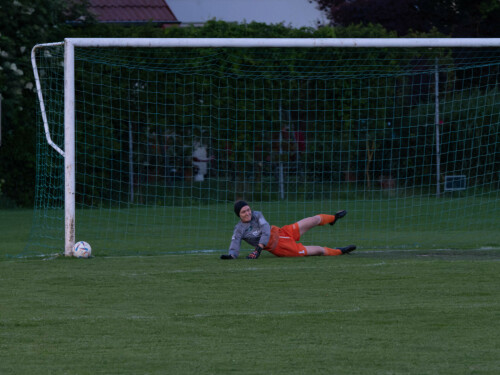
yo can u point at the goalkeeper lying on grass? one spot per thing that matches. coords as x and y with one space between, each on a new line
282 242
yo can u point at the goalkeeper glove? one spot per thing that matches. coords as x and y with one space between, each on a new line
226 256
255 254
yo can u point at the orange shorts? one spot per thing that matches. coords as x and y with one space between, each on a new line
283 242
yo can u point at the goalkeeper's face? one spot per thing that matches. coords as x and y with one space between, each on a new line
246 214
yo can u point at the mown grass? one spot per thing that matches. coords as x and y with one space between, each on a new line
15 226
373 312
400 222
367 313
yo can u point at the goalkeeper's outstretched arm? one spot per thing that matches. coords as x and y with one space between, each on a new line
253 255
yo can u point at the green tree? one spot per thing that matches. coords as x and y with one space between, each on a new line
459 18
17 155
24 23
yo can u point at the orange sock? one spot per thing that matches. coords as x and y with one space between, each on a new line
332 252
326 219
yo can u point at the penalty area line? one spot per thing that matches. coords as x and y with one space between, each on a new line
423 250
51 256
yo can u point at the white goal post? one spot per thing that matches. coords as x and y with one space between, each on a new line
68 149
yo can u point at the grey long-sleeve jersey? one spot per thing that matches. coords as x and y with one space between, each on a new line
254 232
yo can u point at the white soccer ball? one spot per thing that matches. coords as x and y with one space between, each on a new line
82 250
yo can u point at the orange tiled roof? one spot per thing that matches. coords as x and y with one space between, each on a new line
132 11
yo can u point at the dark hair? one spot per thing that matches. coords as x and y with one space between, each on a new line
238 206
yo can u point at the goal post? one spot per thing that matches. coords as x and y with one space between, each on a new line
69 147
225 103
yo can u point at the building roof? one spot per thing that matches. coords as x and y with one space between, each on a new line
133 11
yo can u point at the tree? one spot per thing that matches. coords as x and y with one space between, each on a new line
459 18
24 24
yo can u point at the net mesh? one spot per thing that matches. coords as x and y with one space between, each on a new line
168 139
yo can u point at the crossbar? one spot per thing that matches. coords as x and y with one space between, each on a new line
285 42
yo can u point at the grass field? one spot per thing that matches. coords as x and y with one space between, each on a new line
402 222
372 312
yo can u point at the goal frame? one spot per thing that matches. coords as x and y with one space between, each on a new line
68 151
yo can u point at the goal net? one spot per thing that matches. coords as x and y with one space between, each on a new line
166 139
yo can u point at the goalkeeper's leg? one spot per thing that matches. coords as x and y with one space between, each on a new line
321 219
320 250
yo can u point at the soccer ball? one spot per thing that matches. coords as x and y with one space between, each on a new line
82 250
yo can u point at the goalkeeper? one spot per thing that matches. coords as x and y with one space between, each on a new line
282 242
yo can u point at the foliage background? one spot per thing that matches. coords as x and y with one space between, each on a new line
26 23
457 18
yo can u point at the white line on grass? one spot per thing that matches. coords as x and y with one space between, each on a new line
279 313
225 313
52 256
176 315
246 269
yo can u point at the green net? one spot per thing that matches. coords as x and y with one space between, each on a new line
167 139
